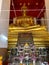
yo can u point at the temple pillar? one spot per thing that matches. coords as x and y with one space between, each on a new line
47 13
4 23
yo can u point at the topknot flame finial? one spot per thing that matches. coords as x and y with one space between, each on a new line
24 8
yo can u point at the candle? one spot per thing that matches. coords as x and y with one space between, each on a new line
1 60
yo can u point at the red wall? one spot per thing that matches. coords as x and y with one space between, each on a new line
35 5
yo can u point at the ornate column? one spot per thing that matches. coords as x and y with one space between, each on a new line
4 23
47 13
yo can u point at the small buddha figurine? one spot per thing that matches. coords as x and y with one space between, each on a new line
26 45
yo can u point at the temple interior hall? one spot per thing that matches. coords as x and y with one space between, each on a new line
24 32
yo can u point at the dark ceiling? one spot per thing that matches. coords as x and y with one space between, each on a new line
37 8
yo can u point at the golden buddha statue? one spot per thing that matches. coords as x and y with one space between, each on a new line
24 20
